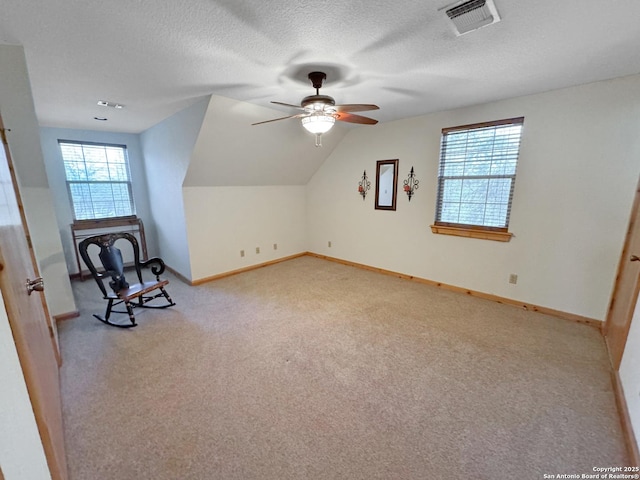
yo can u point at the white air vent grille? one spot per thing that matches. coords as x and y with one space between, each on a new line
471 15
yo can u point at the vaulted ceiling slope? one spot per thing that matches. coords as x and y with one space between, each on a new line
231 152
156 58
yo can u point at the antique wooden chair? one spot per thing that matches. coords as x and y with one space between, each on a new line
120 291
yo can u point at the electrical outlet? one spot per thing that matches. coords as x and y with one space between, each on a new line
513 278
329 243
257 249
242 253
275 246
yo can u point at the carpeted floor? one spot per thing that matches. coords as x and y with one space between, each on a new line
309 369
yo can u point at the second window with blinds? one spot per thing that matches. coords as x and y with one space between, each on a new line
476 179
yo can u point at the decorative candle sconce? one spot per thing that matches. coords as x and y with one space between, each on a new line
364 185
410 184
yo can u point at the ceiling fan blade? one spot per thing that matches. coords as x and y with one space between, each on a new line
355 107
289 105
349 117
281 118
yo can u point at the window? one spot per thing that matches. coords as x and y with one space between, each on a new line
98 180
476 179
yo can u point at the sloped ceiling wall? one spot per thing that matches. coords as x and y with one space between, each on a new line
231 152
166 148
18 114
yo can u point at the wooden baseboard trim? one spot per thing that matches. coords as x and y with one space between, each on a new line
592 322
200 281
66 316
625 420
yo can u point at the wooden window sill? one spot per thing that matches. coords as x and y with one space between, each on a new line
471 232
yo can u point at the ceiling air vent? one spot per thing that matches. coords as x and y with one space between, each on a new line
472 15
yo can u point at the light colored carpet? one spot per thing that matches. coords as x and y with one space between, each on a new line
309 369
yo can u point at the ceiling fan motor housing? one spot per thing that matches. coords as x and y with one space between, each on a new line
314 103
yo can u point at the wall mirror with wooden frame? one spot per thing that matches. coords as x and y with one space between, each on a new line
386 184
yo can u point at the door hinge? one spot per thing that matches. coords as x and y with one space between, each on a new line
3 134
53 335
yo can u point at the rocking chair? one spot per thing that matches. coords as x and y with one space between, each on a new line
121 292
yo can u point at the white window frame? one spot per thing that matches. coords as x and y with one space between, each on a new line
487 228
114 200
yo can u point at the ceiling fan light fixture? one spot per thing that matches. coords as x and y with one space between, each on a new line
318 123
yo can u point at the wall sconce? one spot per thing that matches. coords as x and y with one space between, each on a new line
410 184
364 185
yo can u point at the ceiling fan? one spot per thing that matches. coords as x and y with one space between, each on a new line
320 111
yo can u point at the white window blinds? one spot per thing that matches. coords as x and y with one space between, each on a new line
98 180
477 174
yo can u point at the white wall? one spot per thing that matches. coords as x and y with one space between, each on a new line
245 187
167 149
21 452
576 178
221 221
18 114
630 372
57 180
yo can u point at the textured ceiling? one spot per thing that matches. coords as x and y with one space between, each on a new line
158 57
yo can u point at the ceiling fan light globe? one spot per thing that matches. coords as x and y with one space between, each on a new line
318 123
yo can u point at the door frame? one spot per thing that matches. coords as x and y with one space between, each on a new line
616 354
